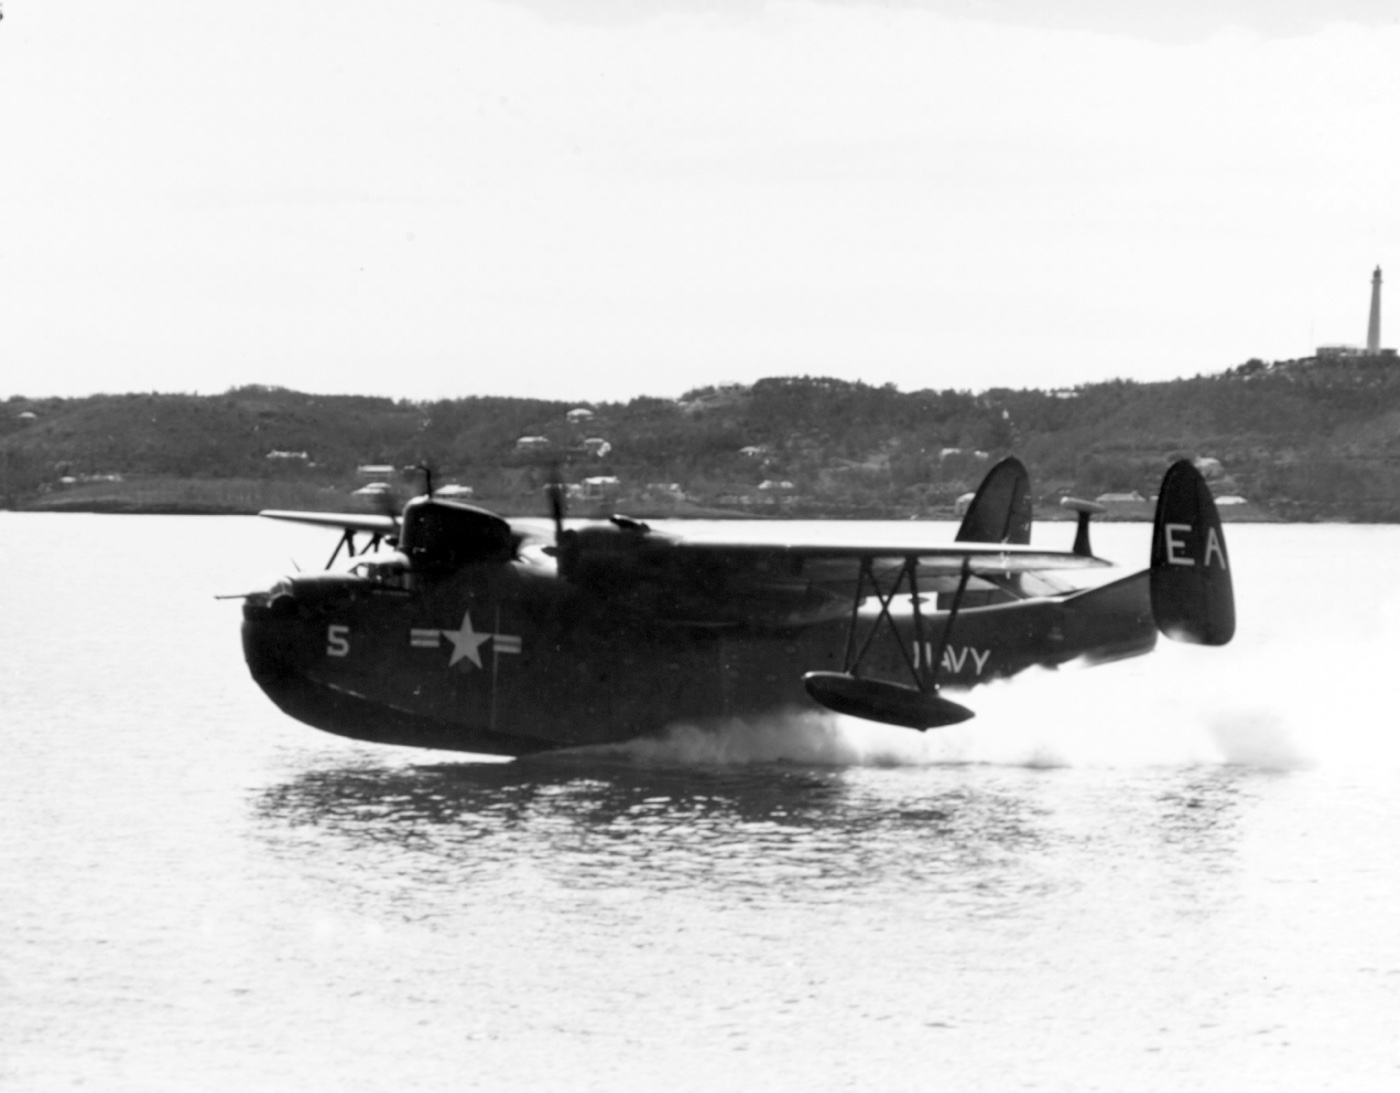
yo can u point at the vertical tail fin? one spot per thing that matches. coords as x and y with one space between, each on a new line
1001 511
1193 597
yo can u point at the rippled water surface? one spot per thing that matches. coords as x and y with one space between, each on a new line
1178 872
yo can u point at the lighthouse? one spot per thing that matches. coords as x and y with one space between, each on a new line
1373 328
1373 331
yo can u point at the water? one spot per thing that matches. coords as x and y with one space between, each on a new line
1174 873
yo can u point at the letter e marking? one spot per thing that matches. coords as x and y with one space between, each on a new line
1175 546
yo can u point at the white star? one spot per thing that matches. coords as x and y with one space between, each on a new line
465 642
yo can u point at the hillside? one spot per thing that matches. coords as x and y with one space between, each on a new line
1298 439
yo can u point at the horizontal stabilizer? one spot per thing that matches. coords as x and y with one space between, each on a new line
1193 597
878 700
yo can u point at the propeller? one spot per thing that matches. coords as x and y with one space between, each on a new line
564 540
555 489
389 505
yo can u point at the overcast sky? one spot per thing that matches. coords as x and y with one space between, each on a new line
596 199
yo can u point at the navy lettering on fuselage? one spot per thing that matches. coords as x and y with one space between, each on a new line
955 657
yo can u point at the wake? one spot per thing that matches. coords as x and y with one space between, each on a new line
1133 714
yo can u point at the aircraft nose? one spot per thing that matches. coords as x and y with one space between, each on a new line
284 628
305 595
278 601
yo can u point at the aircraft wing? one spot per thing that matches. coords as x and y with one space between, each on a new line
709 580
344 521
844 558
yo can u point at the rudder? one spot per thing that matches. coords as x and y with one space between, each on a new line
1193 596
1001 510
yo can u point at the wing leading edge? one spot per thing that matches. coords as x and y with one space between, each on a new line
842 561
344 521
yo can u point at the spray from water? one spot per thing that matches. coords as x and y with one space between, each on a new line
800 737
1305 684
1133 714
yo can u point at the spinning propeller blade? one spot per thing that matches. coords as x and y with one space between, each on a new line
390 506
556 502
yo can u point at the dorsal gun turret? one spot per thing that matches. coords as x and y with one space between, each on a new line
448 534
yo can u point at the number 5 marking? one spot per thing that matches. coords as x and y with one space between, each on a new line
338 641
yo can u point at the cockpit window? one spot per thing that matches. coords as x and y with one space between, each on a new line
392 574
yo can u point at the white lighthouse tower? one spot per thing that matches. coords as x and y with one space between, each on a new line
1373 331
1373 328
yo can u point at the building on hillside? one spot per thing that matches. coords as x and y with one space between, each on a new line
454 490
277 454
597 446
376 471
601 487
532 444
579 416
1130 498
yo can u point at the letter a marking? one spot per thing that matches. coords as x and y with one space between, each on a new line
1213 547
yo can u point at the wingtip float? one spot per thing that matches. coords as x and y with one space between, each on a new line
454 628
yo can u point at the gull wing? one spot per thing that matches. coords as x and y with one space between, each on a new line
836 567
344 521
767 581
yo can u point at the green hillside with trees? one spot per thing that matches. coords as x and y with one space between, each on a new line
1297 439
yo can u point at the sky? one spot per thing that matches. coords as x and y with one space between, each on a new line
598 199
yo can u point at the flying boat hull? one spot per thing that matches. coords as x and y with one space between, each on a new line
472 634
521 665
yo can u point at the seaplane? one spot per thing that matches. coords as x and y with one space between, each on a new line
448 626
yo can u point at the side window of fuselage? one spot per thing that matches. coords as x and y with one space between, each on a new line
394 577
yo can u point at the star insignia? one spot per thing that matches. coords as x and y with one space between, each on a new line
466 642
